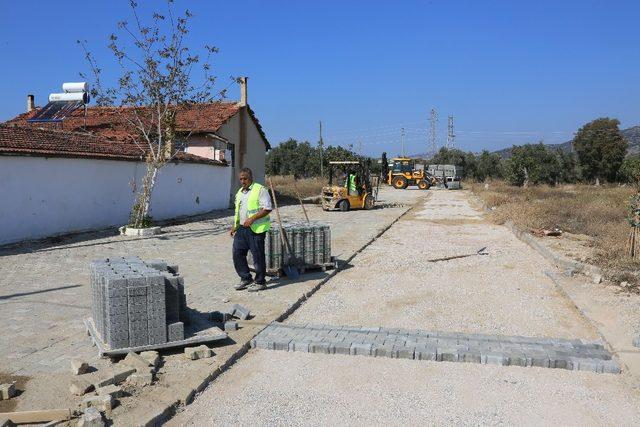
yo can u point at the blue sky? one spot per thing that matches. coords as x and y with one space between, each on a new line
510 72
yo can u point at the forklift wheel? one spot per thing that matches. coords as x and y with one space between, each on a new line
423 185
368 202
343 205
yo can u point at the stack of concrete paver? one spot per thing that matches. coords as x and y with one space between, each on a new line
439 346
310 245
443 171
137 303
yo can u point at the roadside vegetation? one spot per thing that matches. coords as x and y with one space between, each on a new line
286 187
599 212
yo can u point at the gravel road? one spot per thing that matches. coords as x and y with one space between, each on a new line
392 284
276 388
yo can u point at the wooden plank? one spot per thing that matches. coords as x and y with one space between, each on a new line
30 417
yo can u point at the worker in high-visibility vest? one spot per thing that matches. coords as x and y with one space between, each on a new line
250 226
351 185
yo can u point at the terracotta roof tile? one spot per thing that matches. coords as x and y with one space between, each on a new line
113 122
20 140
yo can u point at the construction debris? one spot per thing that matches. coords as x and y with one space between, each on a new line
136 361
481 251
542 232
37 417
152 357
110 390
140 379
7 391
240 312
200 352
102 403
91 418
78 367
80 386
115 375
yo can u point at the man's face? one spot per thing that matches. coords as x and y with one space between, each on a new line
245 180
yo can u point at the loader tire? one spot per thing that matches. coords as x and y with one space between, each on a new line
399 182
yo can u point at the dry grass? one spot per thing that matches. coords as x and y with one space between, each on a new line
599 212
286 186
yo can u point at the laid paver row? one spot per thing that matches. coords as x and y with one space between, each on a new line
438 346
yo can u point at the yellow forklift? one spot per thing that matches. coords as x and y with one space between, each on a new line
404 173
349 187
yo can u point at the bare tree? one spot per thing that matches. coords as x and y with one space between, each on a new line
154 85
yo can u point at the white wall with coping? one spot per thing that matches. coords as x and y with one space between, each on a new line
41 197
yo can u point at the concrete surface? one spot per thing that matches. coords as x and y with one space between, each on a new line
392 284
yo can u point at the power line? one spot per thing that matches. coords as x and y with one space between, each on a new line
450 135
433 139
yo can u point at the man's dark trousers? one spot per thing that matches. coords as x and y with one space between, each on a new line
246 240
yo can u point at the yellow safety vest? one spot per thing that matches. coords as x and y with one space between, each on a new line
261 225
352 183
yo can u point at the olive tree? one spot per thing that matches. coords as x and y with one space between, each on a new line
158 76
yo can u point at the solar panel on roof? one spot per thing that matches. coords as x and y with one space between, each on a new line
55 111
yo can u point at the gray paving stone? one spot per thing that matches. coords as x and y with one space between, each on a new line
361 349
438 346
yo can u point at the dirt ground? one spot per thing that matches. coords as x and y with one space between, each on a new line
392 283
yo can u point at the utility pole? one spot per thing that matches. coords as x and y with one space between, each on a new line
450 134
402 140
321 143
360 147
433 139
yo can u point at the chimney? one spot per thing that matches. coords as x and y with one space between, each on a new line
31 103
243 91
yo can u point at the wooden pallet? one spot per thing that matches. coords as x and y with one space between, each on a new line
199 331
307 268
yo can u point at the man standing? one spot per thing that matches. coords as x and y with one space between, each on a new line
250 226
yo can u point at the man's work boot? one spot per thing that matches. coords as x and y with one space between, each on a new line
243 285
257 287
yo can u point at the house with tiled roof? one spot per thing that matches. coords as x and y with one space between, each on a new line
56 182
228 131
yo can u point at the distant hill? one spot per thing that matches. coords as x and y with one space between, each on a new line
632 134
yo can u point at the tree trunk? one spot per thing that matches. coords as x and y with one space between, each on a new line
144 199
525 184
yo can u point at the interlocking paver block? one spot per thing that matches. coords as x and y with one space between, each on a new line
438 346
91 417
199 352
319 347
426 353
230 325
79 367
7 391
494 358
361 349
240 312
340 347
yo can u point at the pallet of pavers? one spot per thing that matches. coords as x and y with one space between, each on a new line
140 306
310 244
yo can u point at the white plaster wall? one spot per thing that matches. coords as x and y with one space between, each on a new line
41 197
256 151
